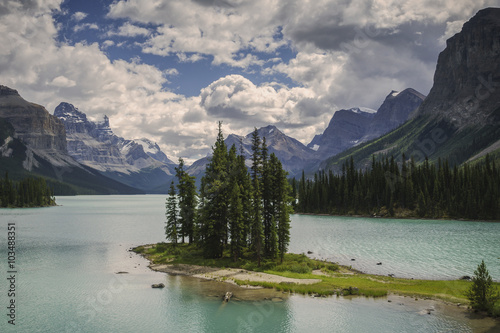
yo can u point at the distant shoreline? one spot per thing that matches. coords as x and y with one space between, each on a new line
397 217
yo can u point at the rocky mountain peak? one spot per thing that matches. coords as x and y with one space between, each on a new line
6 91
74 120
34 125
69 113
394 111
467 78
345 129
152 149
350 127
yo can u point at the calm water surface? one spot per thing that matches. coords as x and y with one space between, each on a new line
67 258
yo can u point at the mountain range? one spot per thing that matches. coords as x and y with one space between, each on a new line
459 120
293 155
138 163
33 143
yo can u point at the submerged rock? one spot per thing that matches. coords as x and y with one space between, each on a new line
158 285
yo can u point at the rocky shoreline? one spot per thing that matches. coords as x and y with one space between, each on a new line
228 275
214 276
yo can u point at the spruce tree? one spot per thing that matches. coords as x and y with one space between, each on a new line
236 221
215 207
269 225
187 202
281 202
257 232
481 294
171 225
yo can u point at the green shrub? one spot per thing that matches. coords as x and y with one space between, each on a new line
162 247
482 294
330 267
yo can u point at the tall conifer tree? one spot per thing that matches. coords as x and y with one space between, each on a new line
171 225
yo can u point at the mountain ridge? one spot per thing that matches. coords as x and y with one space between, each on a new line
95 145
34 144
460 118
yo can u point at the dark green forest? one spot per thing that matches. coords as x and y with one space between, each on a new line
237 212
405 189
28 192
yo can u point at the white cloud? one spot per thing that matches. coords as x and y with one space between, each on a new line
217 31
62 82
452 28
84 26
107 43
332 64
244 106
78 16
130 30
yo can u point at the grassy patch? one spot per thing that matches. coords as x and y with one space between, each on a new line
335 279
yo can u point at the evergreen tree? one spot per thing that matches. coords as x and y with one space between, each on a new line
236 221
257 232
481 293
187 202
426 190
281 203
215 207
268 223
171 225
246 192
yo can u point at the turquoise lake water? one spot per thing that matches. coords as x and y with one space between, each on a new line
67 258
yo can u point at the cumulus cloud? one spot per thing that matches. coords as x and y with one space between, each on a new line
130 30
342 53
78 16
245 105
332 38
220 29
62 81
107 43
85 26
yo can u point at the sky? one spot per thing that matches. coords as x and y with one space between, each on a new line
169 70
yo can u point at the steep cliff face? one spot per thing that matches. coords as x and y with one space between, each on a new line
460 118
137 163
394 111
349 128
33 142
346 129
34 125
88 142
466 88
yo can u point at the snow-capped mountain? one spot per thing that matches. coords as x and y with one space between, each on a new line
293 155
139 163
33 143
152 149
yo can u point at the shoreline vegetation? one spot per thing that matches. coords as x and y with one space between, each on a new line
399 216
29 192
300 274
404 189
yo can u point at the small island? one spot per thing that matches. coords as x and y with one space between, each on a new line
237 231
302 275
